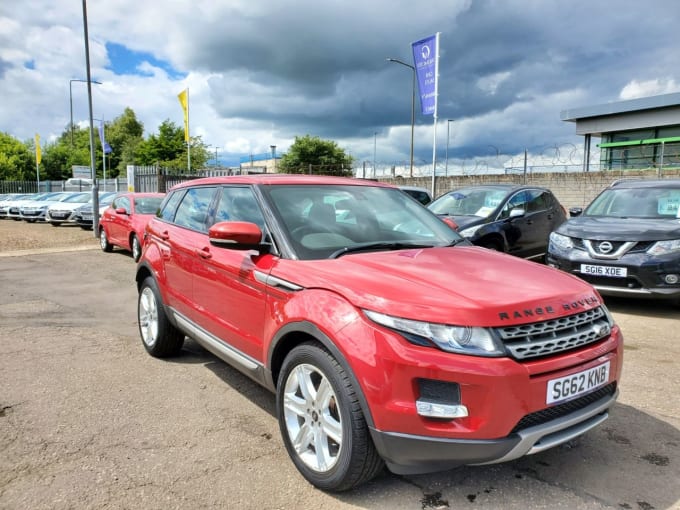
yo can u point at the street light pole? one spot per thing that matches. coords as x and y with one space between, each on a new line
216 147
375 142
70 96
446 166
413 104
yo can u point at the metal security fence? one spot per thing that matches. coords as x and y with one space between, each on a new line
155 179
48 186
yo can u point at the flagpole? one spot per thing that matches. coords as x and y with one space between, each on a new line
103 154
38 157
188 136
436 101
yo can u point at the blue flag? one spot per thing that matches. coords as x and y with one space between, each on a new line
107 148
425 61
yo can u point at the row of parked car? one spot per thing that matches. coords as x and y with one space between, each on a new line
625 243
122 216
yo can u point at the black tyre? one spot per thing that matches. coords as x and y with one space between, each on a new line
160 338
136 247
104 241
321 421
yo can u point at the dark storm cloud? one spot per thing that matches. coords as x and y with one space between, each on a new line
320 68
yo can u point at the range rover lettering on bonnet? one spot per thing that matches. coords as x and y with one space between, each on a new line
541 311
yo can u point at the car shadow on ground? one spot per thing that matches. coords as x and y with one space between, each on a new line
631 461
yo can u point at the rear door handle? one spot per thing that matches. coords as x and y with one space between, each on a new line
164 235
204 253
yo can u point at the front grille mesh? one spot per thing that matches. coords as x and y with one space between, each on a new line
552 413
555 335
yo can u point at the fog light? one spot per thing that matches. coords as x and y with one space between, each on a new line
672 279
439 399
435 410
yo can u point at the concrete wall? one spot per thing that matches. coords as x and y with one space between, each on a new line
571 189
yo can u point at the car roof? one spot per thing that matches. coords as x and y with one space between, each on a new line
645 183
503 186
415 188
269 179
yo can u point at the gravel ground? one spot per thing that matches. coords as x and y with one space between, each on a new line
20 235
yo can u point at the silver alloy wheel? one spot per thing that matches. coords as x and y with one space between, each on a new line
103 241
148 317
312 417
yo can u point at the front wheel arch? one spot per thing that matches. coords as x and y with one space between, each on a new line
492 242
295 333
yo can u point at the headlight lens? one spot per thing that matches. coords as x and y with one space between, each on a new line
470 231
459 339
664 247
560 242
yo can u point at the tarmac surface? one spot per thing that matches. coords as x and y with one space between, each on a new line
89 420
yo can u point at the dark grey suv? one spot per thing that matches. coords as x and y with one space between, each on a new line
626 242
503 217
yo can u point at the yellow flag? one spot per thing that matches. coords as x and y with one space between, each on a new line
184 101
38 153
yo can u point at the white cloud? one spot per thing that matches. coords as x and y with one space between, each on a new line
636 89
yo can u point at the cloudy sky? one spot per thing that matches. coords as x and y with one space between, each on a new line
261 72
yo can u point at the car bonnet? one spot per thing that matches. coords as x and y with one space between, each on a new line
463 285
621 229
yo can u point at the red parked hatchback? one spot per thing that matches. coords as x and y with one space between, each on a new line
387 337
123 222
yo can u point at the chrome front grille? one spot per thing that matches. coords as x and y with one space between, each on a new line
555 335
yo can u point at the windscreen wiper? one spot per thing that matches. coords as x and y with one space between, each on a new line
377 246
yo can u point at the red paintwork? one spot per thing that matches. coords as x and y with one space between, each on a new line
216 288
120 226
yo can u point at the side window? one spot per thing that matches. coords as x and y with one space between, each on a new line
517 200
537 201
239 204
193 210
168 209
124 202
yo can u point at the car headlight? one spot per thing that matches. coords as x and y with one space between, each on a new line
560 242
664 247
459 339
470 231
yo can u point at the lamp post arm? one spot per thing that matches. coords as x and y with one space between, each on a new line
413 105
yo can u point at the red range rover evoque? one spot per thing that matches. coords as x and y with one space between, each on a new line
387 338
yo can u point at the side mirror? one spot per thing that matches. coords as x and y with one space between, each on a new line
449 221
517 212
237 235
575 211
121 210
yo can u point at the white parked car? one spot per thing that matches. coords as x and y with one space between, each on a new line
62 212
10 208
36 210
83 215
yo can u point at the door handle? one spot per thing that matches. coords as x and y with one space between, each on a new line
164 235
204 253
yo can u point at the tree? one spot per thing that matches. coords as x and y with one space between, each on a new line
312 154
124 135
17 159
169 149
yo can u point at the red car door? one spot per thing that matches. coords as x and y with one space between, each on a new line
226 291
181 238
116 226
